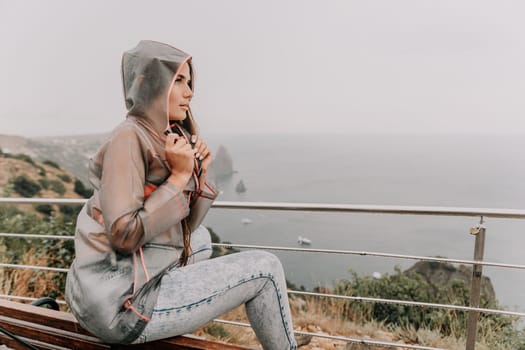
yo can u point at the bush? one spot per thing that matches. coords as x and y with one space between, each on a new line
41 170
57 186
48 252
21 156
44 183
70 212
45 209
25 186
64 177
216 330
51 163
413 286
81 190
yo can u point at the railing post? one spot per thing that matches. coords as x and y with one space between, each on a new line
475 287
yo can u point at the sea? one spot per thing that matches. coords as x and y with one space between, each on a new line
454 170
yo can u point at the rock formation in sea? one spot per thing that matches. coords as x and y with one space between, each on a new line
222 165
241 187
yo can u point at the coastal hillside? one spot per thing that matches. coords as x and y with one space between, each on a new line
71 152
22 176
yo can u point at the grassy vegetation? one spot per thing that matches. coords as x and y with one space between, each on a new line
39 252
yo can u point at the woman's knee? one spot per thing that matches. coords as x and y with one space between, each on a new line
267 261
200 242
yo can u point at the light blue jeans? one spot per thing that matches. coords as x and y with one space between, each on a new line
193 295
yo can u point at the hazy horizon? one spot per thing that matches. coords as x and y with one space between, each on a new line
313 133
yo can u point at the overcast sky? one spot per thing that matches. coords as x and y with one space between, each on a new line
272 65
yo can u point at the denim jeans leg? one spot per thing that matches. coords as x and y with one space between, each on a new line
200 242
195 294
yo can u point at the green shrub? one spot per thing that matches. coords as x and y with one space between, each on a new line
51 163
70 212
25 186
15 220
23 157
57 186
44 183
64 177
55 253
413 286
41 170
216 330
81 190
45 209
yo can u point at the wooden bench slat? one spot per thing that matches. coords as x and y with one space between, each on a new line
52 318
183 343
57 330
35 331
13 344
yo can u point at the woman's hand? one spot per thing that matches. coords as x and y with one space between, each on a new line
202 152
180 157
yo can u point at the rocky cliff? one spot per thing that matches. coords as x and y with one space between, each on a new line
439 275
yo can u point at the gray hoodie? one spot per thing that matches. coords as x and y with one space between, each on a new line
125 239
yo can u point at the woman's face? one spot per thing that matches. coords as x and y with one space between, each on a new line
181 94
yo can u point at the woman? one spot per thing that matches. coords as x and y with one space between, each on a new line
141 271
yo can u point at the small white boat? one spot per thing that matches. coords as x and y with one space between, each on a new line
246 221
303 240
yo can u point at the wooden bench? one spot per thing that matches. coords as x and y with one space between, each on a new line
57 330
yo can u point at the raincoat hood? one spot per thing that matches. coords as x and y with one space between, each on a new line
148 74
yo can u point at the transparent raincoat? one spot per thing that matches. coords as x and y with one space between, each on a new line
126 235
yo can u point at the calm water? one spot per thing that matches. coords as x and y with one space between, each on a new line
432 170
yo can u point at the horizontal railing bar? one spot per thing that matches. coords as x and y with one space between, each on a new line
36 236
322 207
346 339
79 201
15 297
374 209
335 296
306 250
33 267
364 253
369 341
7 296
411 303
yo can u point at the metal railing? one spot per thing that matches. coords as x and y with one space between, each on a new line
478 231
